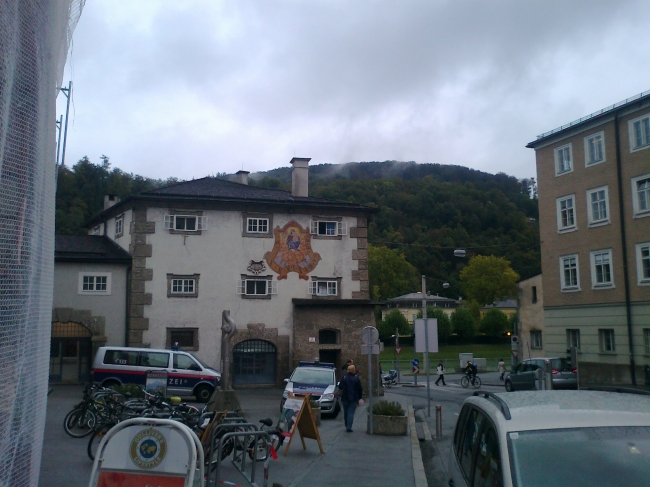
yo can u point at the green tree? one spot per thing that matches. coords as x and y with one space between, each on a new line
494 323
390 273
395 320
463 324
488 278
475 309
444 323
512 322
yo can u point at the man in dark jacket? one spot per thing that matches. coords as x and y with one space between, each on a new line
351 393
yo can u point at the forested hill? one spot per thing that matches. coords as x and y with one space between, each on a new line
427 210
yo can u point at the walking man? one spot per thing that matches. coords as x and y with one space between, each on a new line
440 370
351 393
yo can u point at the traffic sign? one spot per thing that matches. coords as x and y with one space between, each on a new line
369 335
372 349
398 350
415 369
415 362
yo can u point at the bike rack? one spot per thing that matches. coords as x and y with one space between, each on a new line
114 453
239 455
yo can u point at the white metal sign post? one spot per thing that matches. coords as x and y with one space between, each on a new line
370 341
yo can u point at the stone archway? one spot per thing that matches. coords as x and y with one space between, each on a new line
76 336
258 332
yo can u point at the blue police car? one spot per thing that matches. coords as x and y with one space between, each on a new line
318 379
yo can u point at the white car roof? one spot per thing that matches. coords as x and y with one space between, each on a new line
535 410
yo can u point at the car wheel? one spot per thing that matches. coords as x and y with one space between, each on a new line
509 387
203 393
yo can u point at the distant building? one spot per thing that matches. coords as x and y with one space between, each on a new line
90 303
594 217
507 306
411 304
530 318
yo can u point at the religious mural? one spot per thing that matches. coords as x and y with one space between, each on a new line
292 251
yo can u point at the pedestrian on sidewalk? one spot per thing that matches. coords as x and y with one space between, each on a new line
502 368
351 393
440 370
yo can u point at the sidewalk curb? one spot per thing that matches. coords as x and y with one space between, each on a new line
416 453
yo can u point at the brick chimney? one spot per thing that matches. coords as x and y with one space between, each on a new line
242 177
111 200
300 176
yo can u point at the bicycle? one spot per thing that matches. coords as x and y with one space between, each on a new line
276 440
475 381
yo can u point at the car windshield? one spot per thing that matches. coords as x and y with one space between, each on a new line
580 456
313 376
200 361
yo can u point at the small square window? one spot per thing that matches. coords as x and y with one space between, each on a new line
601 269
573 339
323 288
536 339
566 219
606 340
257 225
569 273
257 287
187 338
639 132
563 160
325 228
598 206
95 283
119 226
186 223
182 286
643 263
594 149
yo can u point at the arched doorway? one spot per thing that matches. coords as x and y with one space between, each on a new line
254 362
70 352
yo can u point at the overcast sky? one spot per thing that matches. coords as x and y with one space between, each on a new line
188 89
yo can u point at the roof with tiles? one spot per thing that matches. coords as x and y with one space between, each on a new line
89 248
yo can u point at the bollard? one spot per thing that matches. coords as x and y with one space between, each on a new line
438 421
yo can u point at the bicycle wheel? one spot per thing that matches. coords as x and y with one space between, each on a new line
260 454
476 382
79 422
464 381
95 440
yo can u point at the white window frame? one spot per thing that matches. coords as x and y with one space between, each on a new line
257 221
93 292
201 223
536 339
606 340
590 210
570 288
640 247
316 288
119 226
573 338
97 230
340 228
595 258
560 225
559 159
597 136
636 200
645 137
181 281
271 287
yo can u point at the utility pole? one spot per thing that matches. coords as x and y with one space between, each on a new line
68 93
426 342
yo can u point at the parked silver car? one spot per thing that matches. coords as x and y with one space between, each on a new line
523 376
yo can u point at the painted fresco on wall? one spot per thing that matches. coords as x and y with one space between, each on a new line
292 251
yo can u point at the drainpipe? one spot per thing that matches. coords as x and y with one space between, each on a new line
128 303
624 244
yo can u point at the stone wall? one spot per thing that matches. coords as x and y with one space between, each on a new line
96 324
140 250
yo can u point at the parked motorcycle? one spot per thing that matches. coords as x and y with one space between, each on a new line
389 379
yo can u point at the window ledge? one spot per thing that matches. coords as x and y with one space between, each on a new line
642 214
639 148
558 174
599 223
567 230
257 235
645 282
597 287
570 289
607 353
595 163
256 296
171 295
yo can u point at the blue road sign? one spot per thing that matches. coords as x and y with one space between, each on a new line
415 362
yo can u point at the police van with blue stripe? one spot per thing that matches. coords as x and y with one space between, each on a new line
186 374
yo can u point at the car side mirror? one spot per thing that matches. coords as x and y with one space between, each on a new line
286 381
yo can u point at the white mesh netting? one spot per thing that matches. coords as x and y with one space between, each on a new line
34 40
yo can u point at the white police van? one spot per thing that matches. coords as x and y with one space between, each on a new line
186 374
318 379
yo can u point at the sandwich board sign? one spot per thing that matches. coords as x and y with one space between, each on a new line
156 382
298 416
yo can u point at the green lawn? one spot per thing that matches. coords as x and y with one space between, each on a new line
450 352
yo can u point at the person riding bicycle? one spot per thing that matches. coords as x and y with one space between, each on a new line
471 369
